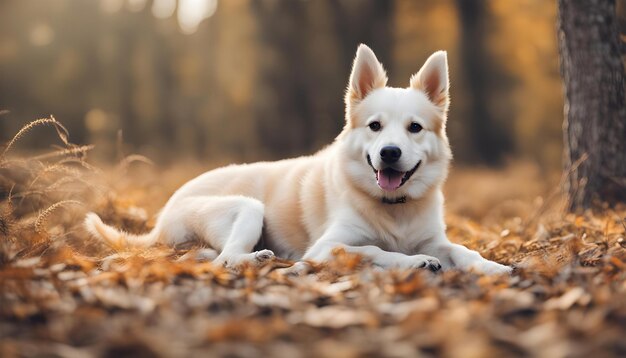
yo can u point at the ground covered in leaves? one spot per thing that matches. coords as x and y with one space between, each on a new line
64 294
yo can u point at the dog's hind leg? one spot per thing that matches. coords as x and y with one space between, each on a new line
230 224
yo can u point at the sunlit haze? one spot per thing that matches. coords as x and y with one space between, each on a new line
189 13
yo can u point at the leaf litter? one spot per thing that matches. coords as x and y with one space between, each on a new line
64 294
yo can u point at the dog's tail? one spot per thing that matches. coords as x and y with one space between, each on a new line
115 238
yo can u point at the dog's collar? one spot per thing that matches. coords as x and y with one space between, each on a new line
400 200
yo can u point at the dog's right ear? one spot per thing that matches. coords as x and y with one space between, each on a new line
367 75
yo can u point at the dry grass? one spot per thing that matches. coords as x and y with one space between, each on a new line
63 294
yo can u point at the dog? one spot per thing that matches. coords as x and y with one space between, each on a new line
375 191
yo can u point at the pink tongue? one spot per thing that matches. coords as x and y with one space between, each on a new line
389 182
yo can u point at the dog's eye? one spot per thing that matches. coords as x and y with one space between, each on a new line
375 126
415 127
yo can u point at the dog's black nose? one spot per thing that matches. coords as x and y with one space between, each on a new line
390 154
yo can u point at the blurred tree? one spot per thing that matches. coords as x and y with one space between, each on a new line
299 63
491 138
595 107
281 100
363 21
356 22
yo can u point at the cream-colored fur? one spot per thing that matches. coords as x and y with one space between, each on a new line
303 208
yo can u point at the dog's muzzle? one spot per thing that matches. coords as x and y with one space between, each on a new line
390 179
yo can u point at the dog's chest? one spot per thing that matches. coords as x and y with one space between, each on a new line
402 231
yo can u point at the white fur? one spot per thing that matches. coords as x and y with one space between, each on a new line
305 207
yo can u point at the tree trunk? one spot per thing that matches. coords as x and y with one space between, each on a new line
490 138
289 103
283 117
595 110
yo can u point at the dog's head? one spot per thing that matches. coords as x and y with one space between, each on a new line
395 138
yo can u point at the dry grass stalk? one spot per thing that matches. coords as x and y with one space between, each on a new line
124 163
59 168
43 216
74 150
61 131
556 194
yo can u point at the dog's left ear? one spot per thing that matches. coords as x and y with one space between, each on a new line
433 80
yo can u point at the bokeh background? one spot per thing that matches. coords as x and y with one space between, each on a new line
245 80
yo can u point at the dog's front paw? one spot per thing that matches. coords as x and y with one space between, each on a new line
299 268
491 268
421 262
236 261
264 256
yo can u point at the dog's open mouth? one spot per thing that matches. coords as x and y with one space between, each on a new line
390 179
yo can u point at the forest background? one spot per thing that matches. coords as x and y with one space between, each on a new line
239 80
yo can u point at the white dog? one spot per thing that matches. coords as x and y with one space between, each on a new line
375 191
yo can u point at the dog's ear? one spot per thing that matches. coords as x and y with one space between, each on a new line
433 80
367 75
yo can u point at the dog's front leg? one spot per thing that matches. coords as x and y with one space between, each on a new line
387 259
322 250
459 256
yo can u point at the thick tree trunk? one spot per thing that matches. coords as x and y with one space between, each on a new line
595 109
